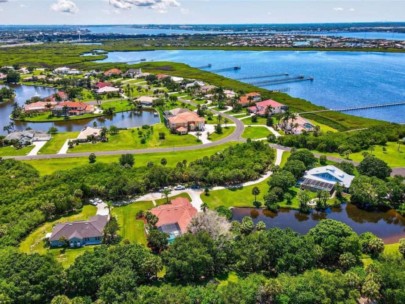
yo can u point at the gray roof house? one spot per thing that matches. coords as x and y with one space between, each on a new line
80 233
325 178
27 137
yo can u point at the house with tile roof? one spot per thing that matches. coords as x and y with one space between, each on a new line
296 125
249 99
80 233
112 72
72 108
267 107
175 217
39 106
181 121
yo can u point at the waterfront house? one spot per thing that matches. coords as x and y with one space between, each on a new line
296 125
325 179
208 88
80 233
27 137
112 72
72 108
175 217
146 100
181 121
58 96
89 134
249 99
267 107
39 106
132 73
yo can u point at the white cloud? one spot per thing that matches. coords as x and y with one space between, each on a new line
65 6
351 9
338 9
158 5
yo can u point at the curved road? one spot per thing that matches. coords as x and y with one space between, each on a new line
235 136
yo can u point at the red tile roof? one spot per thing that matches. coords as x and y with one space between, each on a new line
179 212
186 117
244 99
100 85
113 72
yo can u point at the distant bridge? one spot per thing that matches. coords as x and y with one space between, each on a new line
365 107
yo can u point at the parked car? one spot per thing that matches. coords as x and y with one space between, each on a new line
179 187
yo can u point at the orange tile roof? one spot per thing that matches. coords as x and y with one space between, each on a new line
179 212
186 117
113 72
245 98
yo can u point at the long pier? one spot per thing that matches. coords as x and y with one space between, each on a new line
264 76
234 68
283 80
366 107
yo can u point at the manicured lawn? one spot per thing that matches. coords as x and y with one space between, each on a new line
324 128
55 144
49 166
284 158
42 117
226 131
163 199
256 132
130 139
11 151
132 229
248 121
34 242
391 156
241 197
118 105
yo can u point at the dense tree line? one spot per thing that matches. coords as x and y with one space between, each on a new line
344 142
44 198
273 266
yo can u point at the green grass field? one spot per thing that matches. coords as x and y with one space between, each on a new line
131 229
49 166
248 121
256 132
11 151
118 105
34 242
130 139
55 144
226 131
393 156
45 117
241 197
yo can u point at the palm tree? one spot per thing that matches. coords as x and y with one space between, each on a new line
255 192
219 118
165 193
204 207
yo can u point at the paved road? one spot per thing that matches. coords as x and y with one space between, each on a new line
235 136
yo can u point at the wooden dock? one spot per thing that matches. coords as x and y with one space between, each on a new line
366 107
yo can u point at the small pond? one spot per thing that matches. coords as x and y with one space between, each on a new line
389 225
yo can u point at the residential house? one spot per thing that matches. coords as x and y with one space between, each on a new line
146 100
249 99
58 96
102 84
61 70
325 179
161 76
267 107
89 133
112 72
194 84
39 106
27 137
3 76
205 89
177 79
175 217
80 233
296 125
230 94
71 108
107 89
132 73
181 121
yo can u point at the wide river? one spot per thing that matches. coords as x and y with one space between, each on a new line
341 79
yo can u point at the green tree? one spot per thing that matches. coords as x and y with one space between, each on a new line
12 77
296 167
157 240
166 193
371 244
282 179
247 225
163 161
110 231
304 155
255 192
303 199
127 160
402 247
92 158
373 166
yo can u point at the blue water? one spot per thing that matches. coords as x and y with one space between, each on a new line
368 35
128 30
341 79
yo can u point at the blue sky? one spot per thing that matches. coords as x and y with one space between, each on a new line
198 11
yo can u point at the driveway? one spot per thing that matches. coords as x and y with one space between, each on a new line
37 146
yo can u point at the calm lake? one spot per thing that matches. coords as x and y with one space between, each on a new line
120 120
341 79
389 226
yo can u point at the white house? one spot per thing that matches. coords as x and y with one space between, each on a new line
146 100
107 89
325 178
